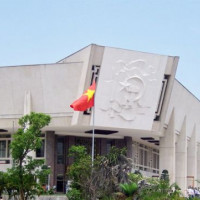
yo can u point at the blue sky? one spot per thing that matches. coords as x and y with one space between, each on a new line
45 31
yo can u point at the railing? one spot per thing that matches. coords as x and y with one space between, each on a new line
146 168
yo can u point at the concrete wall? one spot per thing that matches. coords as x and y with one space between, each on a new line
49 85
181 138
184 104
89 56
52 89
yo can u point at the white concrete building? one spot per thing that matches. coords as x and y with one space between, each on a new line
138 104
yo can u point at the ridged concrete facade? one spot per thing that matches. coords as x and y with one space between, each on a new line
137 98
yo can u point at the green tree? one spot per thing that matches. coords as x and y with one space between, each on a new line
101 180
25 172
79 172
159 189
2 182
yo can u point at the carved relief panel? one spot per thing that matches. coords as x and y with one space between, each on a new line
128 89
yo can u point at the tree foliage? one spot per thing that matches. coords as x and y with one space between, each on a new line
27 138
101 179
110 179
159 189
2 182
26 172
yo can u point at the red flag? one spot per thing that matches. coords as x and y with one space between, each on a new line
86 100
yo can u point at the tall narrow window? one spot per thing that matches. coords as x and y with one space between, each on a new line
155 161
109 145
40 151
95 74
161 99
4 146
3 149
8 149
60 183
60 150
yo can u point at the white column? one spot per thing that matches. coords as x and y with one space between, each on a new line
27 111
27 103
167 150
181 158
192 159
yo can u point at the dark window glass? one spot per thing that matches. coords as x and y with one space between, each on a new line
86 142
141 157
3 149
60 150
5 136
40 151
8 150
109 145
60 183
155 161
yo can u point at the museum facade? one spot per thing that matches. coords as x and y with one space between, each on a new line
138 105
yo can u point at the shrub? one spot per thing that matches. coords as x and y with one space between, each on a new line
129 188
74 194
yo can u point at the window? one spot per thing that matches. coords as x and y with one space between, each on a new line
161 99
109 145
4 146
60 183
4 135
3 149
86 142
40 152
95 74
145 158
155 161
60 150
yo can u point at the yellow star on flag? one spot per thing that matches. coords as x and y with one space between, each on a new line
89 94
86 100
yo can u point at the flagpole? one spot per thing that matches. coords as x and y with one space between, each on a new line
93 132
87 100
